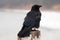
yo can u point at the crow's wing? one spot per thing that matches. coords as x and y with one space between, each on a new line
29 22
30 19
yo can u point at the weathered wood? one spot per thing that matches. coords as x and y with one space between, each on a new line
34 35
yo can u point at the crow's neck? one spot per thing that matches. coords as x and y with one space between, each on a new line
35 9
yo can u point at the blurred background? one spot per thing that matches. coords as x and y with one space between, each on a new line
13 12
26 4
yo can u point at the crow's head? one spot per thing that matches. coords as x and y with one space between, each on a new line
36 7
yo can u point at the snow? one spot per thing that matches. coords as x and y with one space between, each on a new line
11 22
51 19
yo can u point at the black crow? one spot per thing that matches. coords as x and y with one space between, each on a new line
31 20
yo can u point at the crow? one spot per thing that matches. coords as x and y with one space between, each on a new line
31 20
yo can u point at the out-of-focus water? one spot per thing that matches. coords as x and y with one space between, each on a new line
12 21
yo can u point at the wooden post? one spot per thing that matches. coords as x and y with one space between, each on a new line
19 38
35 34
